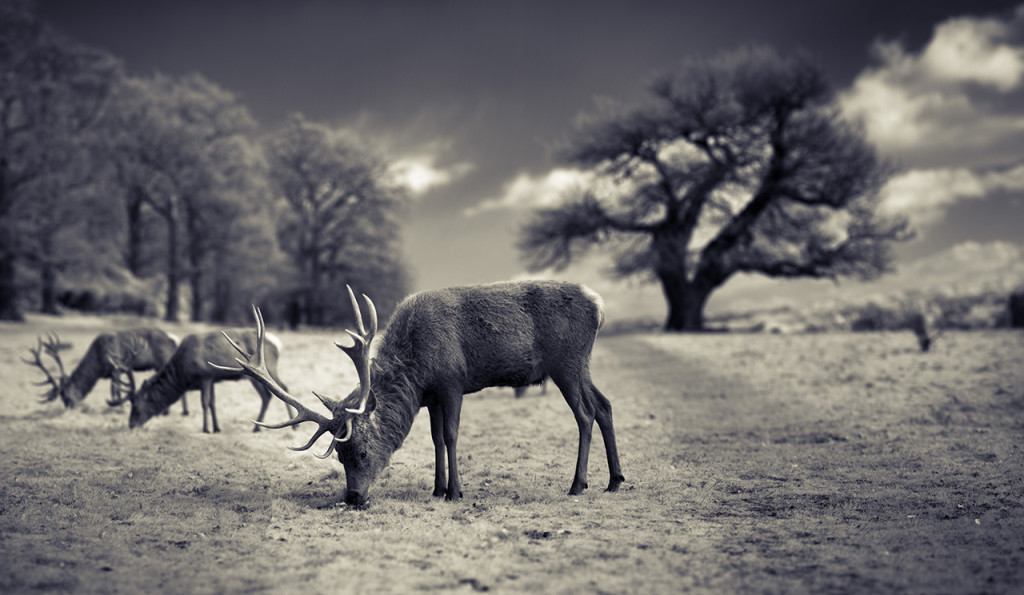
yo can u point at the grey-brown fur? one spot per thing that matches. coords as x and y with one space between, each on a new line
137 349
189 369
442 344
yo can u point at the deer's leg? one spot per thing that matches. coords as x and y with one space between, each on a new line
264 397
437 435
204 399
451 408
603 413
213 409
207 397
583 411
184 404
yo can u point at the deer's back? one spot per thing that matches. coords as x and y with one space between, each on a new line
502 334
193 357
149 347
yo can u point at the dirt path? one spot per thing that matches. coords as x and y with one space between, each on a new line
757 463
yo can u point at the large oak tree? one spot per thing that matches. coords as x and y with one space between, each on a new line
738 164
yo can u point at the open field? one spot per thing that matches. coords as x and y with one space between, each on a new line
829 463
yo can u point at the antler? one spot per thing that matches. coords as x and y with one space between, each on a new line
255 366
52 346
360 351
121 365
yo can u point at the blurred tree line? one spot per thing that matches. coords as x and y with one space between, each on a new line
164 188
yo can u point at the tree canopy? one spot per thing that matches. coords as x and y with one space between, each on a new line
338 208
164 185
54 92
737 164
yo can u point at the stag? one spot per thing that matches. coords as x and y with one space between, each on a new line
440 345
189 369
110 355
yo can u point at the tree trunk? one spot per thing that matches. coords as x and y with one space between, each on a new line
47 272
195 260
171 314
195 283
221 301
48 277
315 297
133 249
9 308
686 302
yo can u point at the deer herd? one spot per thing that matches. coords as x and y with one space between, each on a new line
438 346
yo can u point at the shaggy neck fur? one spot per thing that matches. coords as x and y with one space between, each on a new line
163 389
87 372
398 402
397 391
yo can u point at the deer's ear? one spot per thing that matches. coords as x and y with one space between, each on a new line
371 402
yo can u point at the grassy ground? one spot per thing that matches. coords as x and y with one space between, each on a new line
754 463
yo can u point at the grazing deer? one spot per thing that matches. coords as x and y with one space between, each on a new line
133 349
440 345
921 328
189 368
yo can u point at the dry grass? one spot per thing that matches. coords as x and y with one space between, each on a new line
753 463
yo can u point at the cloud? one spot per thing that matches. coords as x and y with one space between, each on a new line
526 191
967 262
924 195
420 173
960 100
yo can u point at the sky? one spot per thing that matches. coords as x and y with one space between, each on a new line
470 99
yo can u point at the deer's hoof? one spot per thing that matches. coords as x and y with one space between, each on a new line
613 485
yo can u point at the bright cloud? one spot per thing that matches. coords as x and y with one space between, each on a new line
924 195
955 102
420 173
969 265
974 50
526 191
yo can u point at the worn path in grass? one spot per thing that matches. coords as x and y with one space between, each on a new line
753 463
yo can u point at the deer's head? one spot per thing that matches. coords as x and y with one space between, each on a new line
357 436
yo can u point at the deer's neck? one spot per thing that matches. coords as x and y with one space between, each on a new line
399 398
166 387
83 378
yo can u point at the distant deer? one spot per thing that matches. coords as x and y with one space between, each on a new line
135 349
921 328
1015 307
189 369
441 345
